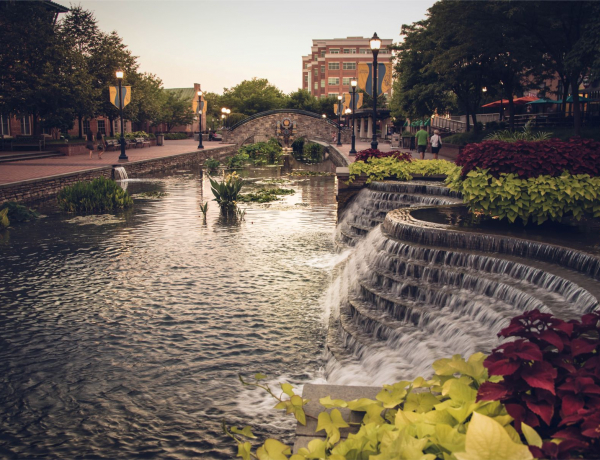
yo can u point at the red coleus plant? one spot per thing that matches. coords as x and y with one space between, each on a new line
551 381
532 158
364 155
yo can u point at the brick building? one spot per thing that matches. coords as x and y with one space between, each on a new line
332 64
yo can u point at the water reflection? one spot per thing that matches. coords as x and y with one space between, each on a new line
125 338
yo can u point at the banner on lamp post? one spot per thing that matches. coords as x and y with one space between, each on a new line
384 77
125 96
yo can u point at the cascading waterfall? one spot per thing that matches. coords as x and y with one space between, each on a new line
412 292
120 173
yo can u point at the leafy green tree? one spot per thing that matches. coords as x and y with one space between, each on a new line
567 35
147 100
302 100
253 96
214 104
175 111
38 69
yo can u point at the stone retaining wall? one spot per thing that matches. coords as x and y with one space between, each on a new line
33 190
78 148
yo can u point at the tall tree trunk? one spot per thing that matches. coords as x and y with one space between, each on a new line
35 128
112 127
80 126
474 117
576 107
511 111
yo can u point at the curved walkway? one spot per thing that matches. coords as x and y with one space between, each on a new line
18 171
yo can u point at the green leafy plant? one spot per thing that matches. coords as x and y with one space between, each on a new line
310 173
263 152
391 168
99 195
238 161
19 213
226 192
423 419
313 152
536 198
152 194
513 136
265 195
211 164
4 221
175 136
204 209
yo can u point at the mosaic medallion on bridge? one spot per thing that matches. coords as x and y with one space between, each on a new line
285 131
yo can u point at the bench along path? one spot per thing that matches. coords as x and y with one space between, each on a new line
36 169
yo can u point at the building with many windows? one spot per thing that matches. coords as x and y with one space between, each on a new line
331 65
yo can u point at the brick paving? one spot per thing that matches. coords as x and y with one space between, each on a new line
386 147
18 171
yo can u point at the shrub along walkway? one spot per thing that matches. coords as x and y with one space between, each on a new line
18 171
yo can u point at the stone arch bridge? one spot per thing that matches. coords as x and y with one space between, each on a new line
264 125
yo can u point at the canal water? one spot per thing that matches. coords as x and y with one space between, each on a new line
123 336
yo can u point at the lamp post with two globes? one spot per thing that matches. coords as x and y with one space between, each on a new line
375 43
123 156
353 83
200 111
339 114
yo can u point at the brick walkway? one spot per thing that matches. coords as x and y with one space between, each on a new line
385 147
18 171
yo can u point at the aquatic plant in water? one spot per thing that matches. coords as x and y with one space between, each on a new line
265 195
99 195
227 191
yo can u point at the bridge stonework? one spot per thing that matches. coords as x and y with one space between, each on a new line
262 126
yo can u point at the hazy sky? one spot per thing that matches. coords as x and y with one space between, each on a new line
219 43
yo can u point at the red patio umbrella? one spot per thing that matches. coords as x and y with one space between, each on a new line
496 103
524 100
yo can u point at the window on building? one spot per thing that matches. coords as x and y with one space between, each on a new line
323 53
316 72
323 69
333 66
323 83
306 65
349 50
305 78
334 51
346 81
316 85
333 94
315 57
333 81
86 126
26 125
365 51
5 125
102 126
349 66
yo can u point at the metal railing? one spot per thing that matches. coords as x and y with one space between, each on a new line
447 124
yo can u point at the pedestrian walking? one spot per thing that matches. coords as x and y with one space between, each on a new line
436 144
89 144
422 141
100 139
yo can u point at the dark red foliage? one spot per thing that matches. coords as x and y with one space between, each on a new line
551 381
532 159
364 155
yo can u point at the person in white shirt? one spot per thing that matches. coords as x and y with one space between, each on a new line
436 144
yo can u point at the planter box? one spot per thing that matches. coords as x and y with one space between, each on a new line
69 149
450 151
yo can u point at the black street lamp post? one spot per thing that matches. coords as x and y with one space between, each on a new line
123 156
339 114
200 111
353 83
375 43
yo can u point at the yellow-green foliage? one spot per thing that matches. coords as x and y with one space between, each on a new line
390 168
99 195
423 419
4 222
539 199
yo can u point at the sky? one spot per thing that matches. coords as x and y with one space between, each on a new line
219 43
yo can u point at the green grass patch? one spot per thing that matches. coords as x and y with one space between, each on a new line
310 173
99 195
